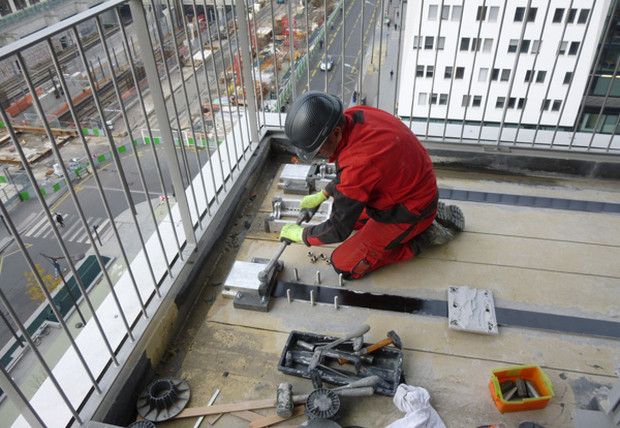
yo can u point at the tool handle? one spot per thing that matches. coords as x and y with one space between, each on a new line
363 329
379 344
360 383
356 392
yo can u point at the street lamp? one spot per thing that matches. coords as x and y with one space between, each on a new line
54 262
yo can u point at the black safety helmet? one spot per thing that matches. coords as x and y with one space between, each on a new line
310 120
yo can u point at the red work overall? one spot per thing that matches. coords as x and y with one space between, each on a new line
385 188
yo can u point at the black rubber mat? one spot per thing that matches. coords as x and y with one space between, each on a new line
412 305
529 201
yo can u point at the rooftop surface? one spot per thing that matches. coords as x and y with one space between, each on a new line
539 262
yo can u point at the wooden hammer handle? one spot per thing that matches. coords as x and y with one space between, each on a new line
381 344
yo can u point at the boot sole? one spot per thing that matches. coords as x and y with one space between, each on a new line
450 216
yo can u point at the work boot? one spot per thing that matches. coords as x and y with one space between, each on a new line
450 216
435 234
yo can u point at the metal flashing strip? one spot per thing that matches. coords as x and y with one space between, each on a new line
529 201
439 308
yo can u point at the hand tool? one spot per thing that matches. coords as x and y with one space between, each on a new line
318 352
304 215
392 337
284 400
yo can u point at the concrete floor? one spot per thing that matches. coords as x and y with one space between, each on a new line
541 260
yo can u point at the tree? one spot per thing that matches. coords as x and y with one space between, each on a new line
32 286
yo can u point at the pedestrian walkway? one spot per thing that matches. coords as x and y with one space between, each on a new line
73 230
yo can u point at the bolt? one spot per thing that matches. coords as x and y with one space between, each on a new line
313 259
296 273
328 262
311 297
335 302
288 295
310 254
340 280
318 277
322 256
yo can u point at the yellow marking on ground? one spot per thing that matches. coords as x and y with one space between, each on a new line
10 254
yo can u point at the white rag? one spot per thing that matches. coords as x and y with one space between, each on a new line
415 402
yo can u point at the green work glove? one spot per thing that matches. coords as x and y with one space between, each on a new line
312 201
291 233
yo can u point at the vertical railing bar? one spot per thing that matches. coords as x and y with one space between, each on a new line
360 68
452 76
63 84
291 49
486 101
613 134
33 347
529 84
159 102
191 119
254 35
185 161
247 70
160 174
144 186
232 126
219 96
600 113
307 30
275 64
400 38
430 98
121 174
62 166
326 44
417 57
381 18
594 68
19 400
513 75
140 97
17 237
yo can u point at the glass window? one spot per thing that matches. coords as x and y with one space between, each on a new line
422 98
417 42
483 74
540 77
563 46
556 105
429 41
568 77
512 45
432 12
465 101
443 99
536 46
512 102
500 102
475 44
521 103
448 73
531 14
583 16
505 75
545 105
570 18
477 101
465 44
525 46
558 14
574 48
460 72
420 71
495 74
481 14
441 43
528 76
456 13
488 45
445 12
430 70
433 98
519 14
493 13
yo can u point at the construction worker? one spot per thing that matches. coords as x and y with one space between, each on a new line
385 186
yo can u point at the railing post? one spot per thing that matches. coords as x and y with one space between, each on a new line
19 400
159 105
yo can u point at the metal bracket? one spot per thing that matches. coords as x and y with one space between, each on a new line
287 210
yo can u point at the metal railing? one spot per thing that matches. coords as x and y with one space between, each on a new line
155 120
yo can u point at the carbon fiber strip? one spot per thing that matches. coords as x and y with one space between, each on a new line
529 201
439 308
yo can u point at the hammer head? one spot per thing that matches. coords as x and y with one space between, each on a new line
395 339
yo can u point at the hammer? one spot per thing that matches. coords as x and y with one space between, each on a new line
392 337
318 352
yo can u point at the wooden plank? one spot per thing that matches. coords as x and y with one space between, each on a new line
226 408
248 415
274 419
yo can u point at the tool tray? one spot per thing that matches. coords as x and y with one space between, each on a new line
387 362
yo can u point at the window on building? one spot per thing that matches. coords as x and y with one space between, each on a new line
430 70
419 71
422 98
483 74
521 103
540 77
500 102
447 74
512 102
574 48
528 75
460 72
556 105
465 44
493 13
488 45
445 12
441 43
482 13
568 77
563 46
558 14
465 101
433 98
583 16
417 42
505 75
443 99
432 12
456 13
570 18
477 101
428 42
531 14
476 44
495 74
512 45
545 105
525 46
519 14
535 46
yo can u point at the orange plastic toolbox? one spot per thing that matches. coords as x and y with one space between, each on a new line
532 373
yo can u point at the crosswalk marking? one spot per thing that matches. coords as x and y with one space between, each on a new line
73 230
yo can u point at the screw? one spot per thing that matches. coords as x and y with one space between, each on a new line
322 256
328 262
310 254
313 259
